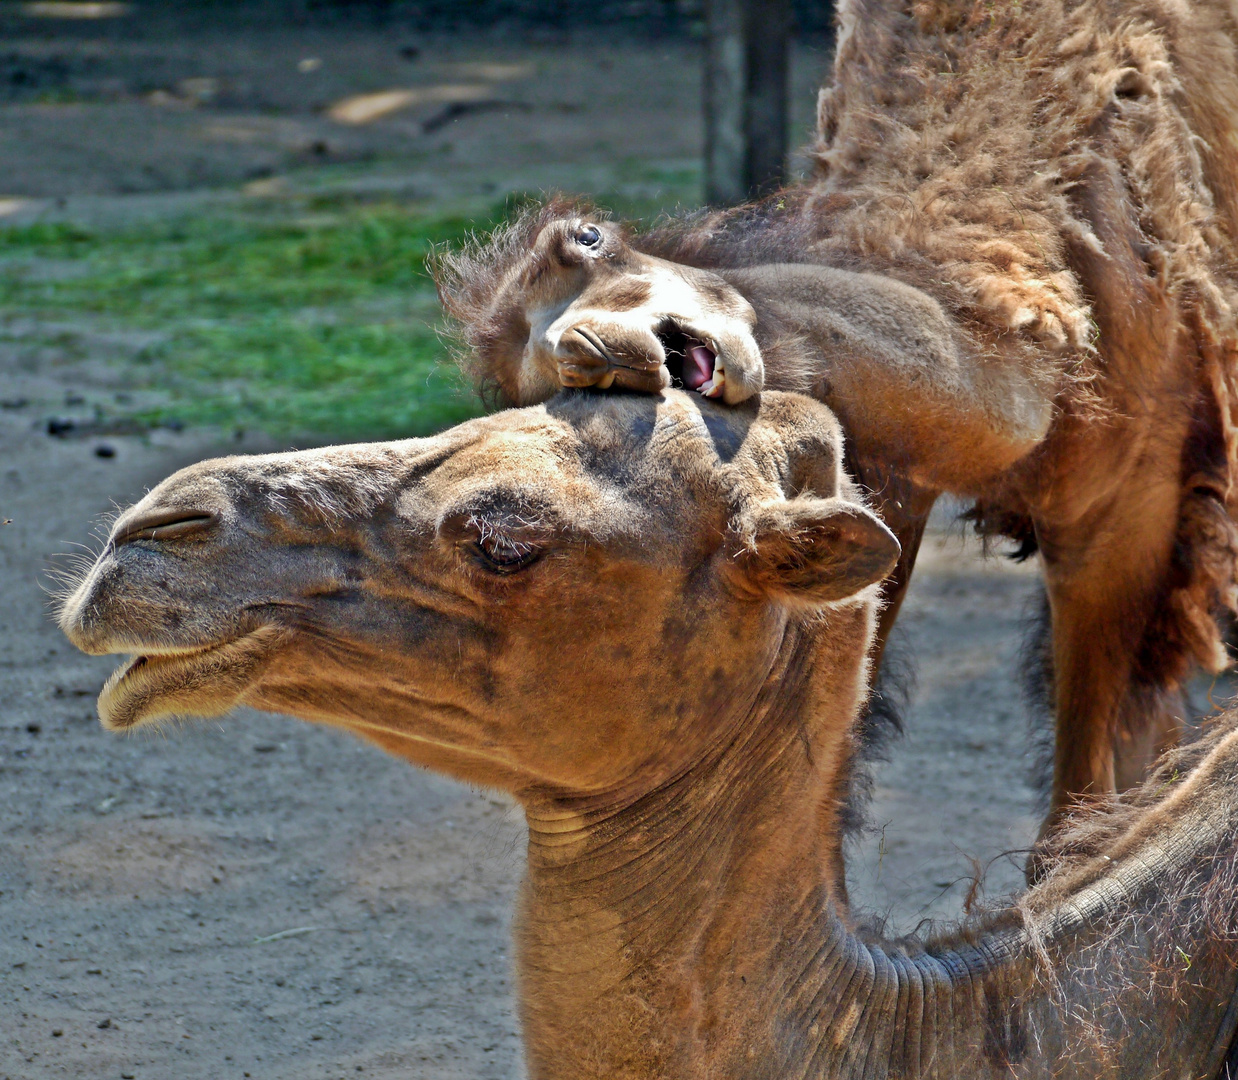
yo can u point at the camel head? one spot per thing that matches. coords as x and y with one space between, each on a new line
648 617
458 599
560 298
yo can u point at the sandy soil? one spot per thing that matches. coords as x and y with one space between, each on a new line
96 115
257 897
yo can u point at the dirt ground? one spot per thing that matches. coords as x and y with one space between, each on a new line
257 897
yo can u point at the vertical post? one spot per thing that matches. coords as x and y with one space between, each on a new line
746 68
726 92
769 47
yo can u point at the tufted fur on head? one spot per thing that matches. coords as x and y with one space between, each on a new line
475 285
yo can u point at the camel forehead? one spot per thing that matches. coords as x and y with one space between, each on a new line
608 465
585 437
532 453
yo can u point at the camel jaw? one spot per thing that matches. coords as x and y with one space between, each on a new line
205 681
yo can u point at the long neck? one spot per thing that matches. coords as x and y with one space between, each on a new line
698 932
869 343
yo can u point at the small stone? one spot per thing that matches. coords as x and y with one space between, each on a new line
104 1024
57 1032
34 729
103 450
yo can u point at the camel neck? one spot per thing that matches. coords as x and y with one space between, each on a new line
662 920
696 931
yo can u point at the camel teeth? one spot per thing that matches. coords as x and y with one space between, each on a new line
713 388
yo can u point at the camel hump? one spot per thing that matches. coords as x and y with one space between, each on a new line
1207 66
957 132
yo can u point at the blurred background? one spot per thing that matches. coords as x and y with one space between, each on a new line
214 220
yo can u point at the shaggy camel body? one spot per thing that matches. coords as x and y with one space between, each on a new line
1011 277
650 619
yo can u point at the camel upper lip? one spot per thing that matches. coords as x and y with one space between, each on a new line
606 354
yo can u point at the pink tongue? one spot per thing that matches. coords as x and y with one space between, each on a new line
698 367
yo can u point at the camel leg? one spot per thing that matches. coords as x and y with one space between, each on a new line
1106 574
907 517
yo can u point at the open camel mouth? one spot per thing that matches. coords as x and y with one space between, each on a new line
204 681
691 362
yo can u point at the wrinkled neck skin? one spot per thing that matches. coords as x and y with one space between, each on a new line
695 930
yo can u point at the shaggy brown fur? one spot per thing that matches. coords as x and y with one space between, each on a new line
970 139
472 279
1061 178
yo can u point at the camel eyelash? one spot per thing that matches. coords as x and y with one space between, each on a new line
502 554
502 548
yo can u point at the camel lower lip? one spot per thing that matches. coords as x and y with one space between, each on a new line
202 681
145 660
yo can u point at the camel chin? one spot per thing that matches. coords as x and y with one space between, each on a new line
200 682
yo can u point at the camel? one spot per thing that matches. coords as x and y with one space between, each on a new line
1011 276
649 618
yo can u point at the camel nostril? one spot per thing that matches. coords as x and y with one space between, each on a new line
163 525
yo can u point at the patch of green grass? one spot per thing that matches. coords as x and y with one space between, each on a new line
307 317
295 323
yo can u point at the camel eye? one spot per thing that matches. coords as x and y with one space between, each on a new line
588 236
503 554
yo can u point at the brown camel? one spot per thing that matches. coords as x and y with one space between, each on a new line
1011 277
650 619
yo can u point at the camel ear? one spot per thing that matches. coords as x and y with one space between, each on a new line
792 537
809 552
